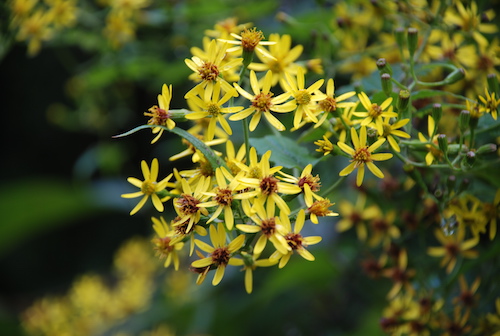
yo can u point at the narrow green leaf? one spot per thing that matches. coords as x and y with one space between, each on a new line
285 151
215 161
422 94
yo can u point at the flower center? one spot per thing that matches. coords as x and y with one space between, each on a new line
208 71
268 226
220 256
262 102
224 197
375 111
320 207
269 185
276 66
312 181
329 104
162 246
294 240
362 155
187 204
148 187
250 38
213 109
181 228
387 130
158 116
452 249
380 225
303 97
255 172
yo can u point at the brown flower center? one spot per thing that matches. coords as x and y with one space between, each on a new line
294 240
362 155
220 256
209 71
224 197
250 38
375 111
262 102
269 185
329 104
187 204
268 226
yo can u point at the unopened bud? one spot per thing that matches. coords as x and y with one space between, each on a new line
383 66
493 83
437 112
455 76
443 143
487 149
464 185
412 40
403 100
386 83
399 35
469 159
463 120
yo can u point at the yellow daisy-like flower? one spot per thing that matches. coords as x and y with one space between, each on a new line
305 98
62 12
250 263
320 208
161 115
234 158
149 187
35 29
325 146
187 204
223 29
224 195
453 245
356 216
209 101
283 60
375 112
489 104
309 184
270 229
362 155
248 41
391 130
331 103
220 254
269 187
263 103
295 240
434 153
207 71
165 247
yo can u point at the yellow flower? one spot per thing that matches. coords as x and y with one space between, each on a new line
331 103
224 195
223 29
35 29
295 240
384 230
319 208
309 184
363 155
261 177
492 212
433 154
283 60
209 101
325 146
187 204
489 104
250 263
165 247
356 216
391 130
62 12
375 112
220 253
161 115
119 29
249 41
270 229
305 98
149 187
207 71
400 275
233 159
453 245
263 103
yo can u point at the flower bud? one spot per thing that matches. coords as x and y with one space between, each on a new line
469 159
486 149
399 35
493 84
403 100
383 66
443 143
437 112
386 84
412 40
463 120
455 76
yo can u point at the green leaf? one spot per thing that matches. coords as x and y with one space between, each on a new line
285 151
215 161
